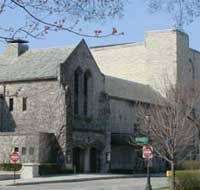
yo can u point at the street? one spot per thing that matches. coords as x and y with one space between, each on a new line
114 184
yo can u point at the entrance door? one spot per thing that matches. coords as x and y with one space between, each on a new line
78 159
93 160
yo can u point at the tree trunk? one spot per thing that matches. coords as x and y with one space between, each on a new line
173 184
198 144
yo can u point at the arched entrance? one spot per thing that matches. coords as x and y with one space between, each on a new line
94 160
78 159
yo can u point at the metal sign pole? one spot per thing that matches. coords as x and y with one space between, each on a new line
148 185
14 157
14 172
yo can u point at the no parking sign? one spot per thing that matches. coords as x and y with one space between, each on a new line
147 152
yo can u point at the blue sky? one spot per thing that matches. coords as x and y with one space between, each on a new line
135 22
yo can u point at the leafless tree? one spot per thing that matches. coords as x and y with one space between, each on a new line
35 18
169 126
182 11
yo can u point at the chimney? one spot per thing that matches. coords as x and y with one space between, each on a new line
16 47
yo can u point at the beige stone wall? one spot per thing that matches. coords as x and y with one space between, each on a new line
157 62
194 57
161 59
184 64
10 141
122 61
33 147
45 109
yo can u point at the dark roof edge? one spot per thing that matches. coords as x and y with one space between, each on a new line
30 80
194 50
111 45
131 82
134 101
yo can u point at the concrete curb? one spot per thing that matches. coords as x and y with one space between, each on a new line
79 179
68 180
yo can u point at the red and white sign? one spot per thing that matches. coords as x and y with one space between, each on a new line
147 152
14 156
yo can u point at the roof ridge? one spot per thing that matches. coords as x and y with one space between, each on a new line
125 80
113 45
52 48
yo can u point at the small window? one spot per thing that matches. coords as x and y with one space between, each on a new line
23 150
1 96
11 102
31 151
16 149
24 104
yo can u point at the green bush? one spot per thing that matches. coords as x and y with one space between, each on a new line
50 169
189 165
10 167
188 180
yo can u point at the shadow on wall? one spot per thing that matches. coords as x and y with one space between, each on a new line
7 122
50 150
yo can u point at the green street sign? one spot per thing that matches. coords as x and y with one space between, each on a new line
142 140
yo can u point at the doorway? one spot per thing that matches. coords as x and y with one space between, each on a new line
93 160
78 160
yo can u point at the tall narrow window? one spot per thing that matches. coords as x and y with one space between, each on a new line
77 75
24 104
87 89
85 94
31 150
11 102
23 150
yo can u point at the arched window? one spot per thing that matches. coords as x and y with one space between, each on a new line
87 91
77 76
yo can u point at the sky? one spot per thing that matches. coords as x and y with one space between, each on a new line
136 20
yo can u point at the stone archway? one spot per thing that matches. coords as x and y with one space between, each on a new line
87 156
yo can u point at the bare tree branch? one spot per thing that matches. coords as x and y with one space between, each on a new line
171 127
42 16
182 11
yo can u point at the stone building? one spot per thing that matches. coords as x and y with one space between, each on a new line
77 106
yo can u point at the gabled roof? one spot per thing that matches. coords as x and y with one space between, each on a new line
33 64
131 90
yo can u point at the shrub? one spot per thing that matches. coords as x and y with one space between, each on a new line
50 169
188 180
189 165
10 167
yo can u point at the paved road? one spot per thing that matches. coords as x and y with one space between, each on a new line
114 184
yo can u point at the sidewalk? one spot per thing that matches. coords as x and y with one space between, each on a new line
68 178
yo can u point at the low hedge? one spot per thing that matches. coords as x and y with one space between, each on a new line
51 169
189 165
10 167
188 180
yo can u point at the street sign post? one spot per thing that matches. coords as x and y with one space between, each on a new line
14 157
148 154
142 140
